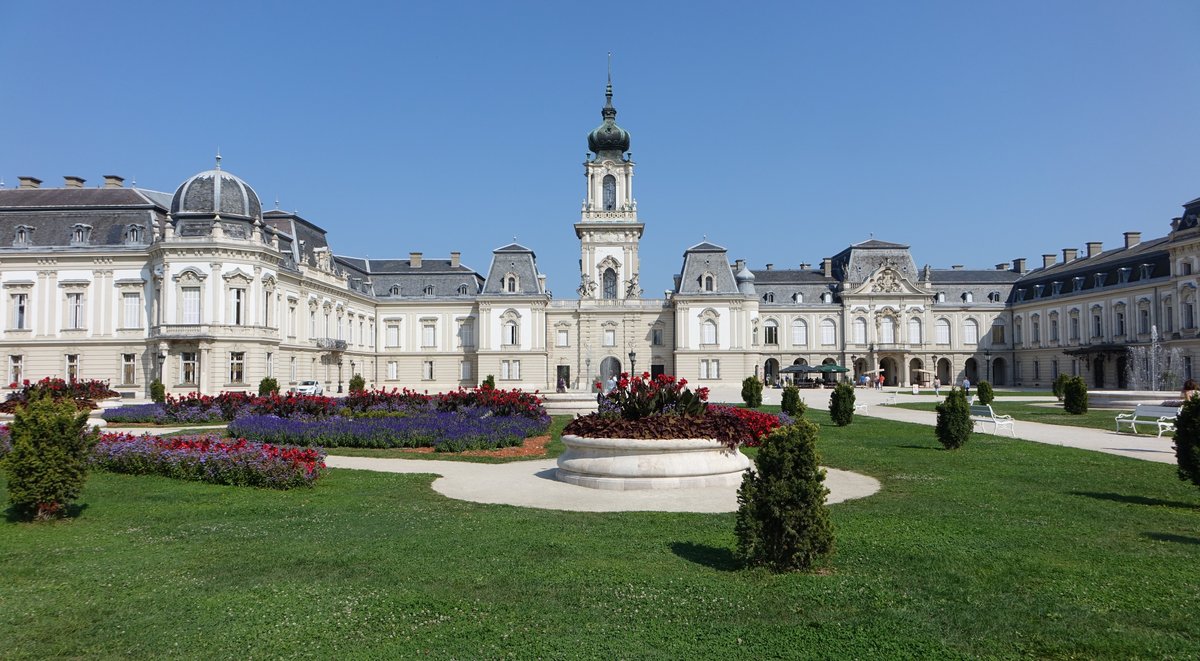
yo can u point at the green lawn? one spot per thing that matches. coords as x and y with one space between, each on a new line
1002 549
1051 415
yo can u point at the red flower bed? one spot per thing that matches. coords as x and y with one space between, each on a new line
754 424
84 393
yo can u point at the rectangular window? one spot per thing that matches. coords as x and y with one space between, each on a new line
237 366
72 367
393 370
656 337
710 369
799 335
1097 326
270 364
1143 322
466 334
1120 324
1053 330
998 334
312 323
704 369
393 335
266 319
188 368
464 371
1075 328
428 335
16 370
610 337
237 304
75 317
191 305
943 332
427 370
563 335
292 369
828 333
510 370
291 321
20 312
1037 369
132 308
771 334
128 369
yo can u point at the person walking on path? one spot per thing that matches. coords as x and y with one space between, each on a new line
937 386
966 386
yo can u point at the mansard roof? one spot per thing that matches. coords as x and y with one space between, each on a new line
517 260
876 243
53 213
972 277
386 274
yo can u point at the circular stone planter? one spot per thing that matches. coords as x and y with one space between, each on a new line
625 464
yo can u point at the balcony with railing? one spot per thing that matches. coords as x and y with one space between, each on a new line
329 344
212 331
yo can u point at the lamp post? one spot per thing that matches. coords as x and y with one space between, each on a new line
632 358
162 358
987 357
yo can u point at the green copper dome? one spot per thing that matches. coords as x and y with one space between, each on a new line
609 140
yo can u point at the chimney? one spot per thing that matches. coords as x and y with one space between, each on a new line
73 182
1132 239
1019 265
29 182
827 266
956 267
414 260
1069 254
738 265
1095 248
770 267
455 258
114 181
1003 266
1048 260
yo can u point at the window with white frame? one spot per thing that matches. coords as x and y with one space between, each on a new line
1054 329
131 310
1074 329
292 369
887 330
970 332
562 337
312 323
860 331
16 369
391 334
428 291
291 321
710 369
466 333
915 334
237 366
1143 320
75 311
656 337
828 332
709 332
128 369
188 368
191 305
770 332
1097 324
72 368
799 333
610 337
266 308
510 370
270 364
427 370
20 312
997 333
1035 329
237 306
1119 322
512 334
464 370
428 335
941 330
393 370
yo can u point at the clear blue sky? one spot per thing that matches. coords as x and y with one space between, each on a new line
975 132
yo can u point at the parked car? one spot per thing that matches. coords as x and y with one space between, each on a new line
309 387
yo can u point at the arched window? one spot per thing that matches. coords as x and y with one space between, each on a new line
395 290
771 332
828 332
708 283
968 297
428 290
512 334
940 297
860 331
709 332
510 283
769 297
887 330
1018 331
942 328
797 297
827 297
799 333
1035 329
914 331
610 283
970 332
610 192
462 290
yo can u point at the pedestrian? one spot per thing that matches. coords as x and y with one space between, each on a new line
1190 389
937 386
879 382
966 386
562 384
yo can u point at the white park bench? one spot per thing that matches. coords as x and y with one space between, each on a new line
982 414
1161 416
860 408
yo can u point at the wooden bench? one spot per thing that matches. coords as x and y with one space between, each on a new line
1161 416
982 414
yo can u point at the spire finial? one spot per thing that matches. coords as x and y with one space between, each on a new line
608 88
276 202
218 158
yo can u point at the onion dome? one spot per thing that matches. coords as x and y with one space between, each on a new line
745 280
214 192
608 140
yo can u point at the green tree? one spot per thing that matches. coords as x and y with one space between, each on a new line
752 389
841 404
47 466
1075 396
158 392
358 383
1059 387
782 521
268 386
1187 441
790 402
984 392
489 382
954 424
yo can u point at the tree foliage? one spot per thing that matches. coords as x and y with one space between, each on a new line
358 383
267 386
841 404
782 520
954 424
1075 396
752 389
47 466
790 402
1187 441
985 393
158 392
1059 387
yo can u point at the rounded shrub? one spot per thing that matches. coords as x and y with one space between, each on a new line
984 392
158 392
1187 441
268 386
782 520
954 424
1059 387
47 466
1075 396
489 382
841 404
752 389
358 383
790 402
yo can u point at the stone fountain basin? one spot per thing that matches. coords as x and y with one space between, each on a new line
624 464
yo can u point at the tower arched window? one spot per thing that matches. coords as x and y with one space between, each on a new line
462 290
510 284
709 332
708 283
610 192
511 333
610 284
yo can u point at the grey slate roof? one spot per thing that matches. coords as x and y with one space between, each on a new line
1154 253
518 260
385 274
707 258
53 213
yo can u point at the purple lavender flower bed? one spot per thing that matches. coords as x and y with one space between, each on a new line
445 431
156 414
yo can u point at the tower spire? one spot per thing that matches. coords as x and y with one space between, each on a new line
218 158
608 88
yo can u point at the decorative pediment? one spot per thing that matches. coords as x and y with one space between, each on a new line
887 281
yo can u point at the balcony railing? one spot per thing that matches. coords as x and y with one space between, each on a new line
202 331
330 343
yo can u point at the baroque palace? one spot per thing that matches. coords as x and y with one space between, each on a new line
208 292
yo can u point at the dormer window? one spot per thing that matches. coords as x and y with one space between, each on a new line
23 237
1147 270
1056 287
1020 294
462 290
968 297
1123 274
428 290
994 296
827 297
940 297
80 234
1100 278
510 283
769 297
708 283
1037 290
395 290
1078 280
135 234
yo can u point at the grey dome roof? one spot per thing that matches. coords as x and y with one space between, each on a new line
608 139
216 192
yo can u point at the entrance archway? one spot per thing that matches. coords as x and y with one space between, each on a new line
1122 366
1098 373
943 371
860 368
609 368
999 372
770 371
971 370
891 371
916 371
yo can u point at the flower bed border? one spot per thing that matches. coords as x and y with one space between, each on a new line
629 464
